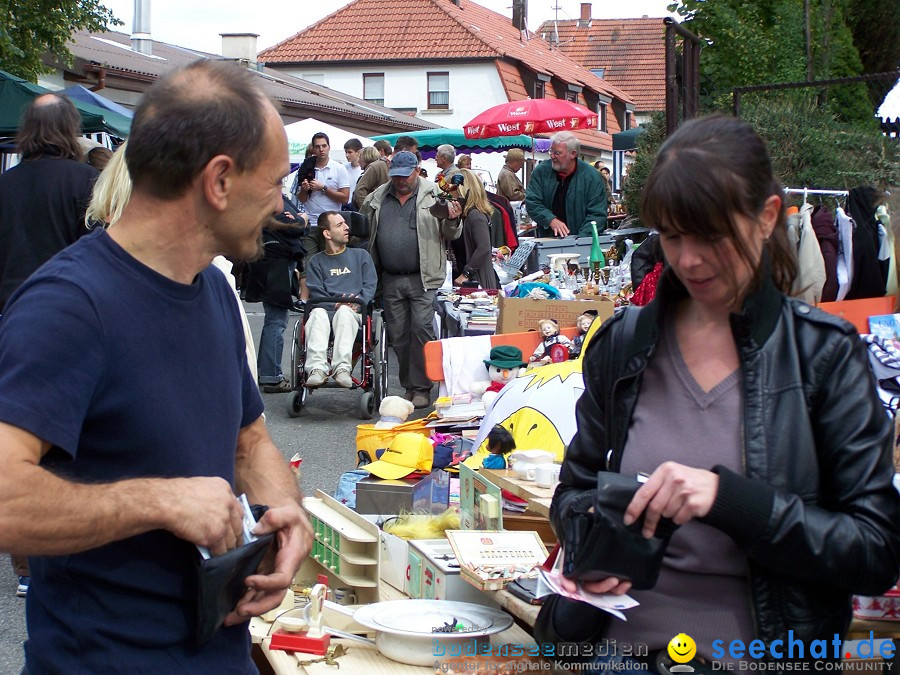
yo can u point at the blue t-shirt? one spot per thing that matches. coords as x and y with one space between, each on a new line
127 374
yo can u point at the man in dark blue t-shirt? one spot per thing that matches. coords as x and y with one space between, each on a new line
128 416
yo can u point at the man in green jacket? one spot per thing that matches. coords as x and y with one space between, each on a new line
565 194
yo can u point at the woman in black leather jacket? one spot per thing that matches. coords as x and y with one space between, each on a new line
754 415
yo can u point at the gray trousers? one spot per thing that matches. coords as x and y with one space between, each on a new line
409 316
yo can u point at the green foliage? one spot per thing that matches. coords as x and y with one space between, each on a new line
763 42
31 28
811 147
648 144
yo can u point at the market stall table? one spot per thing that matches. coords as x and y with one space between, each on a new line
360 658
538 498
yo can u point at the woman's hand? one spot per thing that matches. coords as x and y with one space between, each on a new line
673 491
607 585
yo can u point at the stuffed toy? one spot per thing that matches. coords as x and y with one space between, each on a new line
393 410
504 364
583 324
499 443
544 352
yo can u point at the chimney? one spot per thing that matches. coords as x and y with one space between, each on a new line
141 41
240 47
520 14
585 20
456 2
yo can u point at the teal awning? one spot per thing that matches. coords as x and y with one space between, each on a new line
430 139
16 94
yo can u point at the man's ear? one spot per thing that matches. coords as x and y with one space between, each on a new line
217 179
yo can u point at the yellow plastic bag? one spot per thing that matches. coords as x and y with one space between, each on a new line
369 439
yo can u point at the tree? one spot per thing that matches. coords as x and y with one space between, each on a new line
763 42
32 28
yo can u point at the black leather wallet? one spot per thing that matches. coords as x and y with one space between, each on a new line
597 543
524 589
220 581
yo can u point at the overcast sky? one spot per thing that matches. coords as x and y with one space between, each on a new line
197 23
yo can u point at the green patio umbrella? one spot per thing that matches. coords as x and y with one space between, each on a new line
430 139
16 94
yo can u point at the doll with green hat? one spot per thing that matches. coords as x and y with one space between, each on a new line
503 365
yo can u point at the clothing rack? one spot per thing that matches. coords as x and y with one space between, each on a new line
810 191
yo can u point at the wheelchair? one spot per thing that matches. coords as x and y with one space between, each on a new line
369 369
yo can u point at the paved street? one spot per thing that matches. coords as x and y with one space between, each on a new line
324 435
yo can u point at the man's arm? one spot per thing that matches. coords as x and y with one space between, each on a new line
596 208
370 278
43 514
315 277
265 477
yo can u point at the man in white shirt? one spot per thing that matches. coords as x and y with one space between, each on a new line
331 186
326 192
352 148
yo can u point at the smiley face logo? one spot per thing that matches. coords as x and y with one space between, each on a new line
682 648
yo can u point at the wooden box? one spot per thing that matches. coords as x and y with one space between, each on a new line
490 559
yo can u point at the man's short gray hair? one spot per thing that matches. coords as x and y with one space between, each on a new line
567 137
447 151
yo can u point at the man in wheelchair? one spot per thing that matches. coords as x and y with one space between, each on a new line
342 272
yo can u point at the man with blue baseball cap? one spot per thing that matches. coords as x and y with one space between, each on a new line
407 243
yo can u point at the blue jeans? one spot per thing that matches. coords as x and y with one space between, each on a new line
271 344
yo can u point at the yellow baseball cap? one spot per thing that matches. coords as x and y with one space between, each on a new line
408 452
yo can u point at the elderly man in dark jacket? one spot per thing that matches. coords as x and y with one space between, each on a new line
565 194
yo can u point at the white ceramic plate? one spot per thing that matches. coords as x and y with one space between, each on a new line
422 617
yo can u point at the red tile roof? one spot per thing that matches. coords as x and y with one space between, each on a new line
416 30
631 50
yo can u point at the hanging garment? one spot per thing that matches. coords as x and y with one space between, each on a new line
884 218
884 360
827 236
844 227
810 264
869 273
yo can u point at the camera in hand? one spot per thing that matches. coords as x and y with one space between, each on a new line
307 170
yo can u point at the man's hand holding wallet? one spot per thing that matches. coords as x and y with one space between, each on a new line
251 578
265 590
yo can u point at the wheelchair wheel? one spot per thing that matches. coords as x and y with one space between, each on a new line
298 358
367 405
296 401
379 359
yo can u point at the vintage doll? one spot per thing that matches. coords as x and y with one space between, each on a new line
583 324
504 364
499 443
544 352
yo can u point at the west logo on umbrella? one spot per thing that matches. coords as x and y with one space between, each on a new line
530 117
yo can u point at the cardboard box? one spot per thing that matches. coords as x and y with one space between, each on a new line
434 574
518 315
490 560
409 495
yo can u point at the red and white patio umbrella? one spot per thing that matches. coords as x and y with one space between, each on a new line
531 116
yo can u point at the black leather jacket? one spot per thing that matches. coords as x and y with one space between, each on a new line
814 508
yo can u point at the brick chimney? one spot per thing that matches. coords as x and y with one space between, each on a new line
585 20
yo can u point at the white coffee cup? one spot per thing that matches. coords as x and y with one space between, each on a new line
546 475
344 596
523 470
